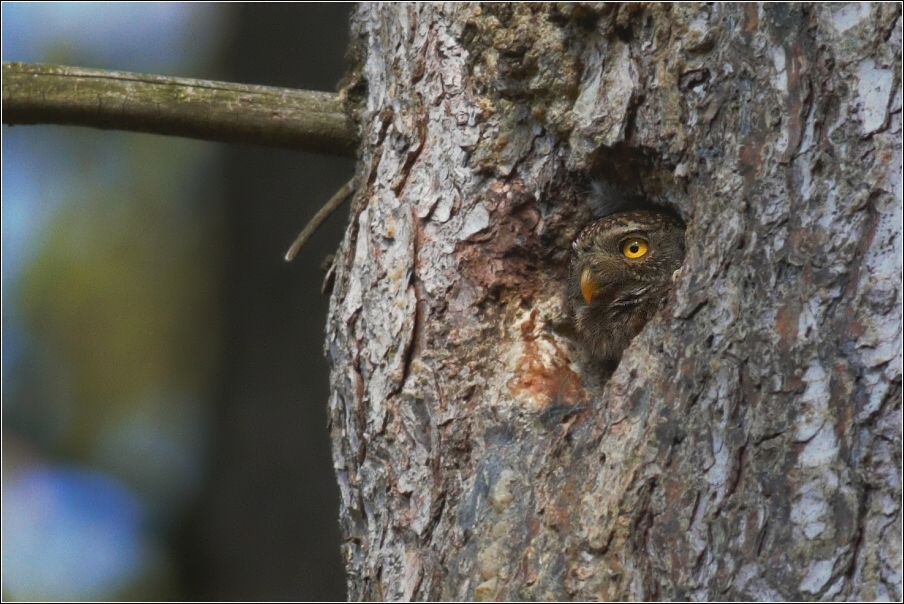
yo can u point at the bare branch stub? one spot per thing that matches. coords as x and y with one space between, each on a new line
215 111
322 214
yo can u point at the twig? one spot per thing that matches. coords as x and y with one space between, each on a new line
215 111
331 206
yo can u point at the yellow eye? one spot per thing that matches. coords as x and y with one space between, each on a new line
634 247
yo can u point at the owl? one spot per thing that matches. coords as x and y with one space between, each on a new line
621 270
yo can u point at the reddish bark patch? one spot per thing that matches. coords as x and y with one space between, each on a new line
675 521
794 102
855 328
751 18
786 322
558 512
805 244
841 387
507 257
541 372
750 155
545 385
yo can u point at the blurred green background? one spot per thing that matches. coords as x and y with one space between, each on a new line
164 387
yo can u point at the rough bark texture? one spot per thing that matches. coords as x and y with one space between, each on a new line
748 445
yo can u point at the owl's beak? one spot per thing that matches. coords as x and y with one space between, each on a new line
588 285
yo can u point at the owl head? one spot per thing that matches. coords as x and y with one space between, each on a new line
621 270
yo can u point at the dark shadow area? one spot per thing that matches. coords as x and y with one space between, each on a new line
266 526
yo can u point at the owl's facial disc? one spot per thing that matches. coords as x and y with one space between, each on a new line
588 285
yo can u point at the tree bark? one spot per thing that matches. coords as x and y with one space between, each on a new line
748 446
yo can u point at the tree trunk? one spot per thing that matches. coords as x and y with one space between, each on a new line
748 444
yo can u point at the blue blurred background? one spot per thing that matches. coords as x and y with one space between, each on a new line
164 389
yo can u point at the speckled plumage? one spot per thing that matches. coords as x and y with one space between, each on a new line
627 291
